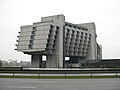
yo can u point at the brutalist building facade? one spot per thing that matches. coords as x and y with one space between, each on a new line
57 39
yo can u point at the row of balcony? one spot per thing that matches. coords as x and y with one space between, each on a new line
76 44
82 54
75 27
69 31
50 46
68 42
83 48
76 36
49 51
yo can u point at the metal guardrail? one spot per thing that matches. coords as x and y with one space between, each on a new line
63 71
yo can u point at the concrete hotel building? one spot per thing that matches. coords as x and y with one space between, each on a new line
57 39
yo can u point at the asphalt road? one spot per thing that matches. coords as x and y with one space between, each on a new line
59 84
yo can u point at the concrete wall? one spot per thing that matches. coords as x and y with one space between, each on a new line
56 39
58 20
24 38
92 53
77 40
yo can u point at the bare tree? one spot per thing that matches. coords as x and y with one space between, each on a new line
0 63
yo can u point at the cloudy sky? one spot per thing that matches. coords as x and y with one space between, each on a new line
104 13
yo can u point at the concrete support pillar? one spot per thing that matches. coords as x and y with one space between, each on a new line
36 61
52 61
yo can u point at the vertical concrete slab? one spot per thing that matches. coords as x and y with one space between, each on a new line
52 61
58 20
92 53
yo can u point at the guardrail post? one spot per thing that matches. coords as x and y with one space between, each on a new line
116 74
91 74
13 74
38 75
65 75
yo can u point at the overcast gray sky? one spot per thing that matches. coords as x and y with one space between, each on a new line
105 14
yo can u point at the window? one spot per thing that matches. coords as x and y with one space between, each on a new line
32 37
73 31
78 32
90 35
81 33
47 45
68 30
30 47
31 41
57 32
86 29
34 28
48 40
86 34
51 31
51 27
54 46
74 27
70 26
57 27
33 32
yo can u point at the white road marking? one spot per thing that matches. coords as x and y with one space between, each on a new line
21 87
41 81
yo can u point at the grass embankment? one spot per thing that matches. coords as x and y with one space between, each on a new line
59 77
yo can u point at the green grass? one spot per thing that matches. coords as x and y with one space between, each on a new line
59 77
